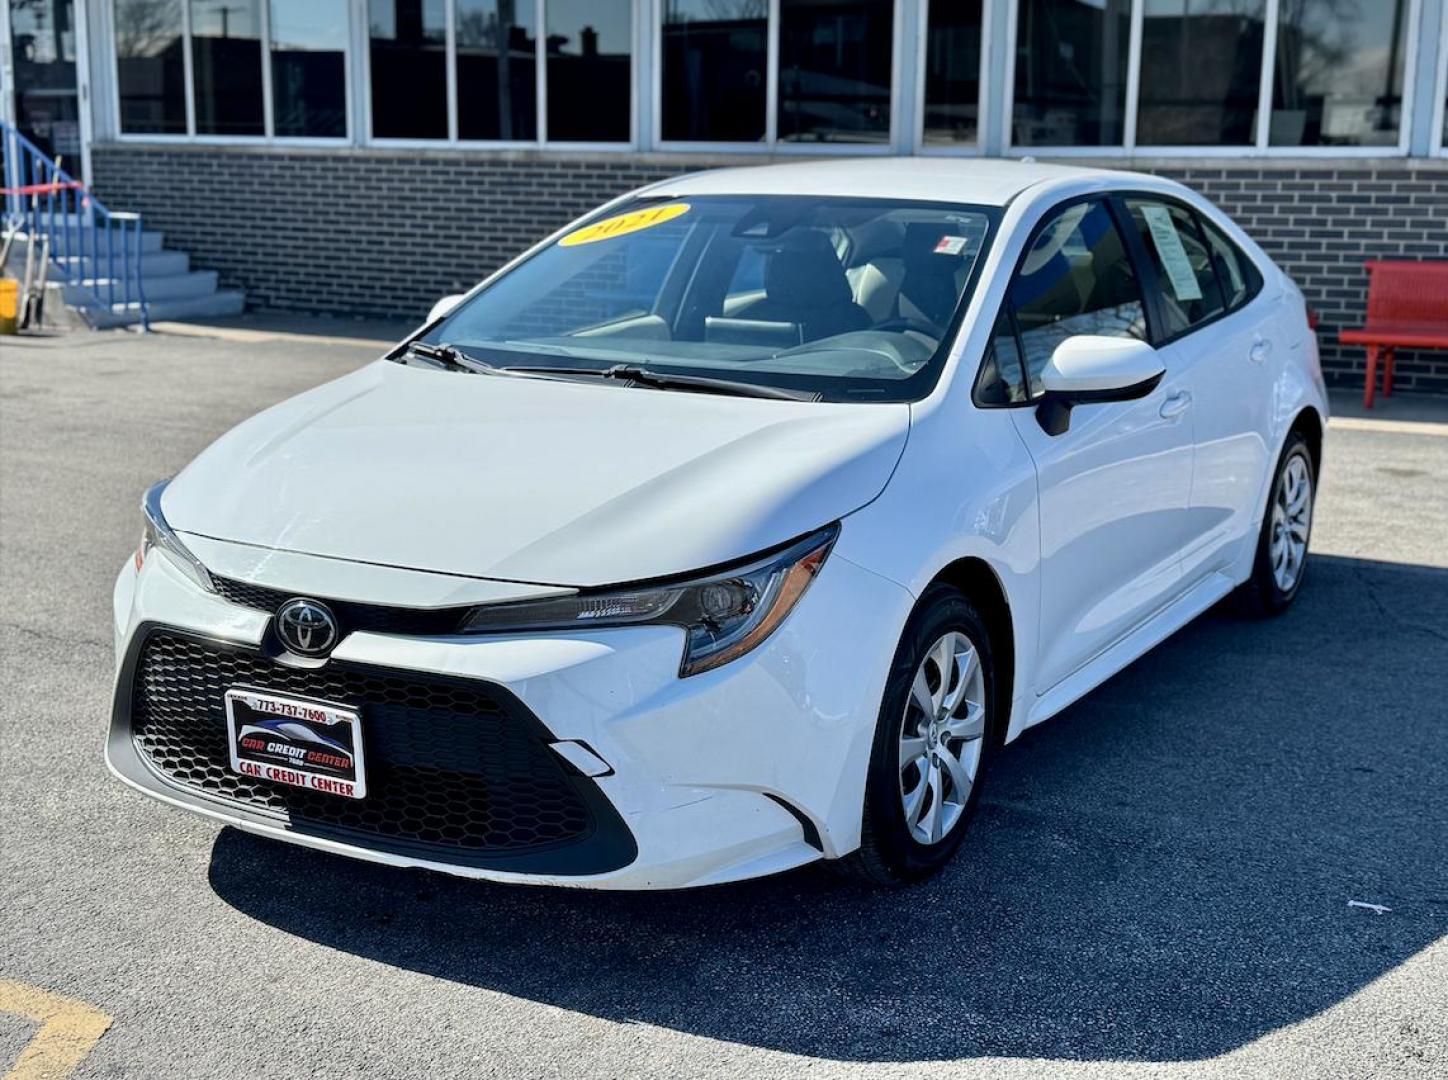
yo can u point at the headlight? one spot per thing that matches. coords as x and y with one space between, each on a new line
158 534
725 615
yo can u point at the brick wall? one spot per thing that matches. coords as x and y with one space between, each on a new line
388 232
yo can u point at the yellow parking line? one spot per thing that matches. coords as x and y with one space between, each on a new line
69 1030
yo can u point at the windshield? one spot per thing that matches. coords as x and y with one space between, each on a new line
852 299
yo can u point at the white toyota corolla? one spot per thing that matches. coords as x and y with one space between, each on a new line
736 525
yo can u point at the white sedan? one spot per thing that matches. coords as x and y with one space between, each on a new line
735 526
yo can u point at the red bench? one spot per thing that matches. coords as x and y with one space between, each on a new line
1407 306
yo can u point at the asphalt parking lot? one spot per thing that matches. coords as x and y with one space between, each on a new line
1158 882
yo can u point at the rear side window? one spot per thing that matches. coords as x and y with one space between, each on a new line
1240 279
1075 279
1184 265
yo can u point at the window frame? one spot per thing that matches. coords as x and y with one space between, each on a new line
984 102
191 135
1260 145
771 143
1437 146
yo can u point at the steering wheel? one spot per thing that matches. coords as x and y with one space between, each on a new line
920 326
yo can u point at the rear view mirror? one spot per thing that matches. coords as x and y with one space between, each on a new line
444 307
1087 368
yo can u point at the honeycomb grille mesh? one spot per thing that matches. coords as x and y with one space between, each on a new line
448 764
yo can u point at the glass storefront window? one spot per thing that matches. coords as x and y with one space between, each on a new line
408 56
226 67
1338 79
309 68
714 78
1071 67
590 70
952 72
835 66
42 51
497 43
1201 72
151 66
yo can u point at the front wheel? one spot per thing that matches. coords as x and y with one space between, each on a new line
932 744
1281 560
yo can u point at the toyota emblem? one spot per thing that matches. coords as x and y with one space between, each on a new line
307 627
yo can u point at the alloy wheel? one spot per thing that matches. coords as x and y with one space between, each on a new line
941 737
1291 522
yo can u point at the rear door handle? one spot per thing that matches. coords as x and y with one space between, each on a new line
1175 405
1261 349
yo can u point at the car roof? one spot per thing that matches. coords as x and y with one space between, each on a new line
983 181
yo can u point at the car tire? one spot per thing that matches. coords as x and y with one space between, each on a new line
908 801
1281 561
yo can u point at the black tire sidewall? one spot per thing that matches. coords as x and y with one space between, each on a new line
940 611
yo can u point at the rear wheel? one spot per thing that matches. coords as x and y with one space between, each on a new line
932 744
1281 560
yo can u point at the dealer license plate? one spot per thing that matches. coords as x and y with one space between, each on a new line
309 744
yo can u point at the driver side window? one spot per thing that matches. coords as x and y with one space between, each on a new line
1076 278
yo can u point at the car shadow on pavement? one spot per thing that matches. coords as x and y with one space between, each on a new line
1161 873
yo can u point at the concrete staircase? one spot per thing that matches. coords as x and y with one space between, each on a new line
174 291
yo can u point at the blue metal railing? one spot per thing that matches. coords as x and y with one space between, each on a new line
96 249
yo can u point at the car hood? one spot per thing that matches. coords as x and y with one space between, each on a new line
532 480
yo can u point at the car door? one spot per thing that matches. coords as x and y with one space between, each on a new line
1114 487
1222 345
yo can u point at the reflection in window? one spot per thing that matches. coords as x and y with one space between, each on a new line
1071 58
151 66
1076 279
589 70
714 62
952 72
409 68
226 66
497 42
834 70
1339 74
1201 72
309 68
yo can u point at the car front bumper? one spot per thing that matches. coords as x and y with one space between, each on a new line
750 769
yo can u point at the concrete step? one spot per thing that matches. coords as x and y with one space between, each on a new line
151 240
226 302
196 283
153 265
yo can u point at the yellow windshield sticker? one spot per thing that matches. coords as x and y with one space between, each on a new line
623 224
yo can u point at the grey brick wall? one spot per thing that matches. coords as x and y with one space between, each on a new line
387 232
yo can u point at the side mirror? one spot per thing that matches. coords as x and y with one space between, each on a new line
443 307
1087 368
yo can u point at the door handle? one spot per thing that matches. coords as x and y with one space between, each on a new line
1261 349
1175 405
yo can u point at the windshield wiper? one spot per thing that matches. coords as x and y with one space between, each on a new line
451 357
662 380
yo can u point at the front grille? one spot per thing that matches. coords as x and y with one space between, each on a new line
374 618
457 766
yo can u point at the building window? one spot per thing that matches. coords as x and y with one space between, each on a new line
309 68
714 80
952 72
1071 72
1339 73
835 70
408 54
226 67
590 70
497 43
151 66
1201 72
